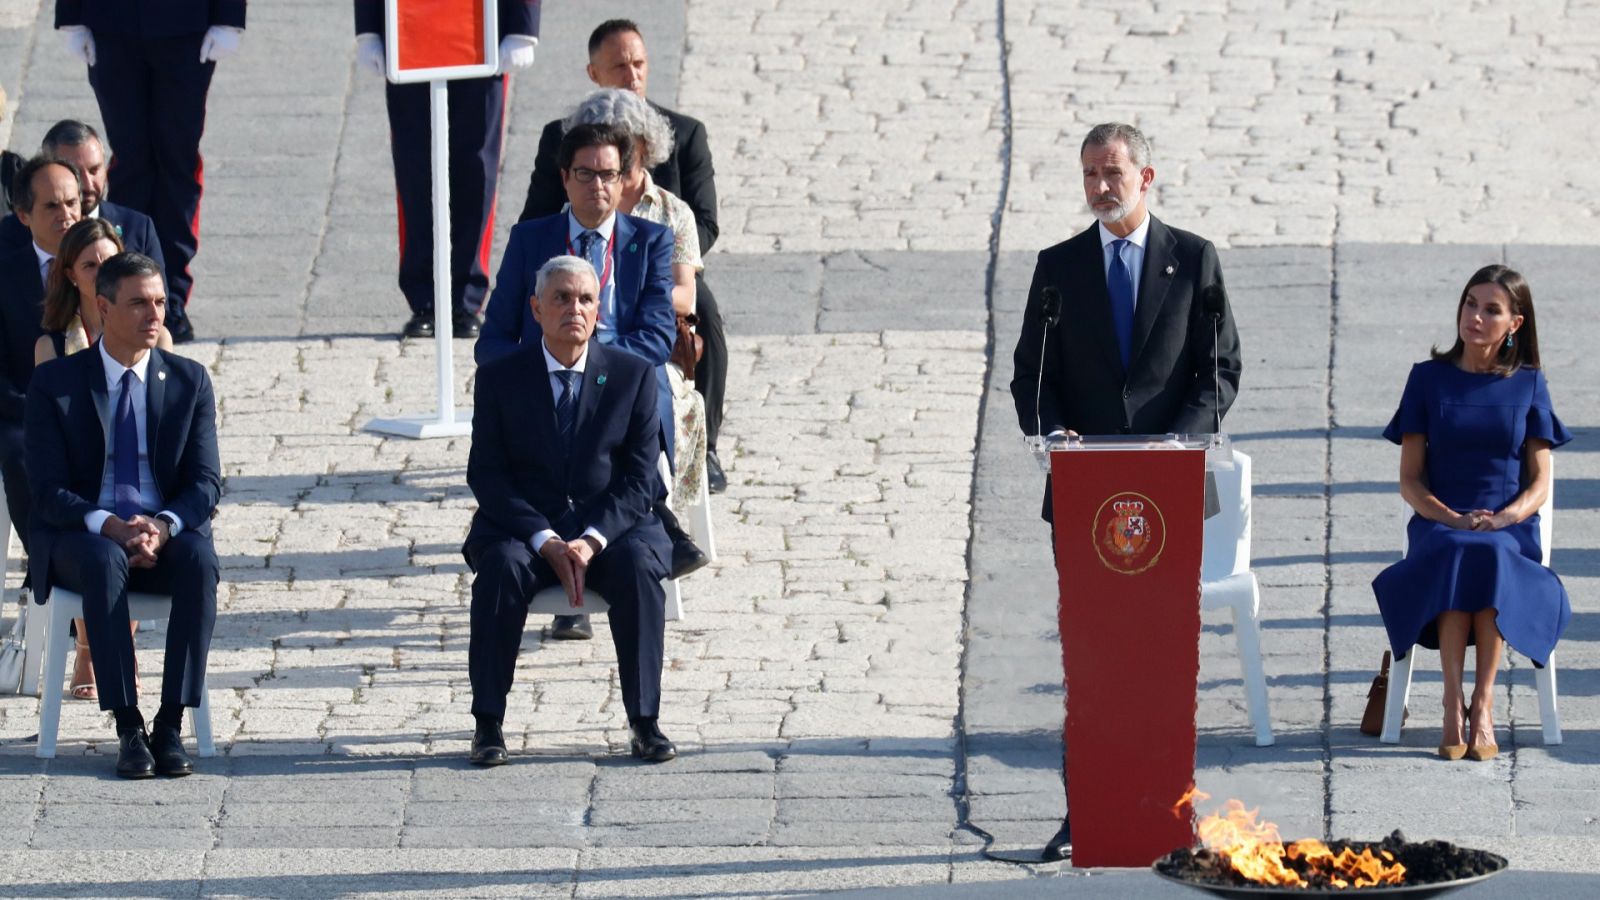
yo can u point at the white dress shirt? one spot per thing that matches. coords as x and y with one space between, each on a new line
605 328
553 365
1132 255
44 262
149 492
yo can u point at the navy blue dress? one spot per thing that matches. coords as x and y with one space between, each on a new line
1476 425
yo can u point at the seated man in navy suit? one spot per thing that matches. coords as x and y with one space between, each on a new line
78 143
47 197
634 260
122 455
565 435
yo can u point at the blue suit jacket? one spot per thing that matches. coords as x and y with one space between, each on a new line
150 18
68 419
646 325
526 482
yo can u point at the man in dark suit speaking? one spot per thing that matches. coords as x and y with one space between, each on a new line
122 456
1141 312
565 436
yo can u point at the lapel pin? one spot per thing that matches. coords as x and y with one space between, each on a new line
600 380
633 248
1169 270
161 376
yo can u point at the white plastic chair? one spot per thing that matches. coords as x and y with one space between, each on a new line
553 601
1394 708
1227 582
33 632
64 606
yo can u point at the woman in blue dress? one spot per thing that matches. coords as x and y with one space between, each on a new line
1475 429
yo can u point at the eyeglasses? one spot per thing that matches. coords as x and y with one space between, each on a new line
586 176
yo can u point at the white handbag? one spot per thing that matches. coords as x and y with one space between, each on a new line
13 655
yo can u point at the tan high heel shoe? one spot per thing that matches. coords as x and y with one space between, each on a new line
1483 752
1453 752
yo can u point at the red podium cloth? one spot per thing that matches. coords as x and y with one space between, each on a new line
439 33
1128 531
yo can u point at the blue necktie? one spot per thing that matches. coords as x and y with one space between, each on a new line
567 404
125 492
1120 283
594 250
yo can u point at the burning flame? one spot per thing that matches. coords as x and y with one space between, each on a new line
1256 851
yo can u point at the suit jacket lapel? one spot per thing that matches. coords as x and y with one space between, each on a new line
594 384
155 399
94 372
630 273
1160 266
1096 305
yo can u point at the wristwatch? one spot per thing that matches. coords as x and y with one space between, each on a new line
172 523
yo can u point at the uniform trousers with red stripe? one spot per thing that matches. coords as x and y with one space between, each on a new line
152 97
477 134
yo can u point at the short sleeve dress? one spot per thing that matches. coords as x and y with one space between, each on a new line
1476 426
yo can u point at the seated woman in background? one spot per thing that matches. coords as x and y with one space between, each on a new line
71 323
1475 429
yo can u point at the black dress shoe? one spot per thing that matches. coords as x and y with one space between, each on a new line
166 745
133 755
1060 846
464 324
488 745
687 558
716 481
420 326
571 628
649 744
181 329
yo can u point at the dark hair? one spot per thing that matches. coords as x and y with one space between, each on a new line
608 28
22 184
68 133
123 265
1524 349
582 136
60 293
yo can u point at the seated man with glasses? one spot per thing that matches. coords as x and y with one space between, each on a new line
632 256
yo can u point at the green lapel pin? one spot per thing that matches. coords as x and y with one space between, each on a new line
600 380
633 248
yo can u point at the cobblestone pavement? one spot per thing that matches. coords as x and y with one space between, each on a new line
870 665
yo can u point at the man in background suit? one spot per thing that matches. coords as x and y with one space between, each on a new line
565 436
150 63
78 143
617 59
1133 348
122 453
47 195
477 135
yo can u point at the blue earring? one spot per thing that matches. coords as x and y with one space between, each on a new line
1510 341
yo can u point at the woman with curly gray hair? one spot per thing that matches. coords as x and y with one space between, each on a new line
642 197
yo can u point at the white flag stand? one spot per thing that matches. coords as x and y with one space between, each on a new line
421 44
445 422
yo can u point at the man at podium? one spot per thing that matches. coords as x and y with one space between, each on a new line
1127 328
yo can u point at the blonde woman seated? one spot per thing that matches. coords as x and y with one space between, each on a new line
642 197
71 323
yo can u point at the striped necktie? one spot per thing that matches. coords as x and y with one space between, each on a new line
567 405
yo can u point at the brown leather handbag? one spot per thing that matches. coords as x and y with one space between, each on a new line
688 347
1377 699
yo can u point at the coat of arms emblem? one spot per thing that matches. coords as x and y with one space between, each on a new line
1129 533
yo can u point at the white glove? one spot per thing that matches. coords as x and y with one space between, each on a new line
221 42
369 54
516 51
80 43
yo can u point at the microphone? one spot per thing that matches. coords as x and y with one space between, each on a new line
1050 314
1214 300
